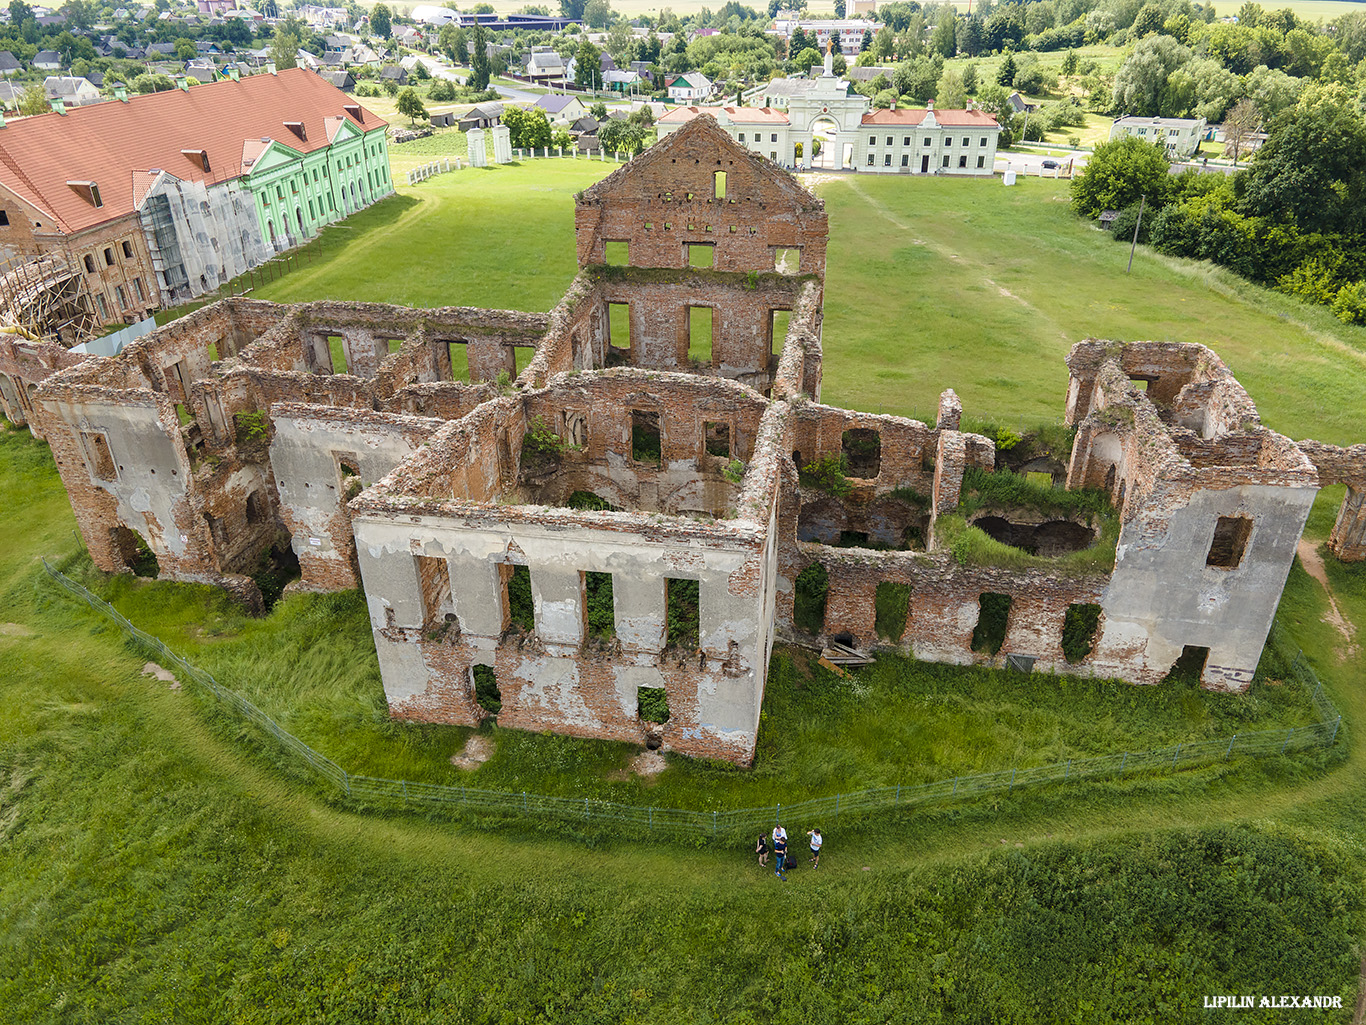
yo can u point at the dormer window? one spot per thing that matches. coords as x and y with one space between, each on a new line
198 157
88 191
297 127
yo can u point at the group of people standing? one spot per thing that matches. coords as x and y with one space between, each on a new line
781 858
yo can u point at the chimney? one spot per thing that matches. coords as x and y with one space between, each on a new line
182 83
59 106
120 92
234 72
929 105
893 106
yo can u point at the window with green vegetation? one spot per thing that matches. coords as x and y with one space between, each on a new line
1079 631
182 413
717 439
348 471
699 334
808 604
645 443
825 474
892 604
992 619
586 501
778 321
862 451
619 325
394 345
682 613
458 355
1189 667
486 693
521 609
652 704
701 254
338 351
618 254
599 611
787 261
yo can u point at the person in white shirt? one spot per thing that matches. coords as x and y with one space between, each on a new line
816 842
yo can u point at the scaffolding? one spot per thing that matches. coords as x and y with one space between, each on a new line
46 297
200 237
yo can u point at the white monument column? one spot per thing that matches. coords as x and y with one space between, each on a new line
478 156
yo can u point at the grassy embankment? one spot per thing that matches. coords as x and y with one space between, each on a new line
153 868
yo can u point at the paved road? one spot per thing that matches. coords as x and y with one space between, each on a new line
1032 164
440 69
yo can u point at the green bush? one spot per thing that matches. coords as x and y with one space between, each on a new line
892 604
993 616
1079 631
681 614
586 501
599 606
251 427
521 607
541 439
1349 305
652 704
808 604
486 693
827 474
983 488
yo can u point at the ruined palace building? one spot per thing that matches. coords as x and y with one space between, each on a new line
638 511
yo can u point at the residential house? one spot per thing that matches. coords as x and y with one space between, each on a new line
95 78
49 60
394 73
1178 137
561 108
215 8
485 115
151 200
847 32
545 66
693 87
201 70
621 81
339 79
9 65
73 92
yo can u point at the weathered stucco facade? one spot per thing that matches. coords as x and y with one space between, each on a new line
609 544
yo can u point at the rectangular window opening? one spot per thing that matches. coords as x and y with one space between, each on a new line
1190 666
778 321
486 693
434 583
599 612
1231 534
645 439
4 218
892 607
717 439
128 249
617 253
699 335
619 325
701 254
811 589
458 359
522 355
337 349
100 459
517 601
182 413
1079 631
862 449
681 616
719 181
787 261
394 345
652 704
993 618
109 257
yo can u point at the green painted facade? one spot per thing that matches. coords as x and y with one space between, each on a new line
297 193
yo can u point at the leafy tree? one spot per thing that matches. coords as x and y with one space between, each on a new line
284 51
839 8
1118 174
479 59
944 39
421 73
442 91
970 36
80 14
588 66
1069 63
410 106
1149 20
151 84
970 79
599 111
623 137
381 21
597 13
528 128
951 95
897 16
867 41
805 60
1141 81
390 87
1310 170
1005 76
33 101
1239 125
572 9
918 78
1272 90
185 49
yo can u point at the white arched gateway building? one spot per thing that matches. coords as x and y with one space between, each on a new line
853 137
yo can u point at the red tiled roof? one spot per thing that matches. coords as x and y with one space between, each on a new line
908 116
738 115
108 143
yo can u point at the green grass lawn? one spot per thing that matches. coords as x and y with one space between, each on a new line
155 865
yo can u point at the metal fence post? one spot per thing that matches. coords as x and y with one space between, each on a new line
837 808
1287 741
1336 722
898 793
1231 742
1067 771
1176 755
405 791
1012 780
955 786
713 823
1122 762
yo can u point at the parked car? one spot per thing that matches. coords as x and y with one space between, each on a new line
1050 165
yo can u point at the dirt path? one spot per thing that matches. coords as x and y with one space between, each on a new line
1313 565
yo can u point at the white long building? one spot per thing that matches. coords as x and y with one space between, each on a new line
852 136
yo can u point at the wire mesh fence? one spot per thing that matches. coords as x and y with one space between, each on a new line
372 792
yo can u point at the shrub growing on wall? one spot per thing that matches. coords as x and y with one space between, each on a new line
1079 631
808 607
892 604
